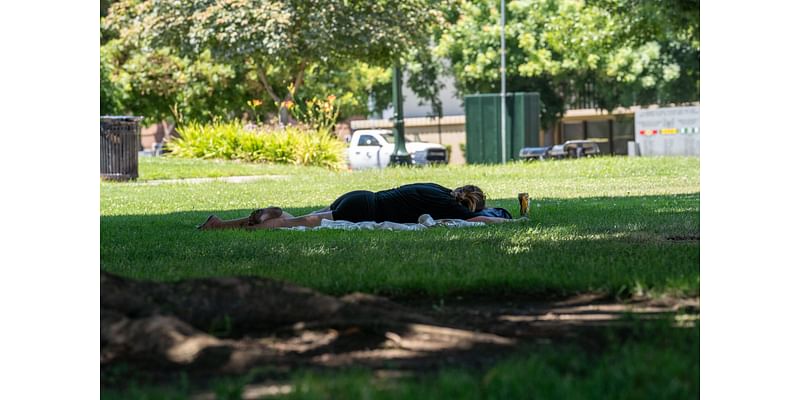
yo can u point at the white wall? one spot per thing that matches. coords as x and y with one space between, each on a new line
668 131
451 104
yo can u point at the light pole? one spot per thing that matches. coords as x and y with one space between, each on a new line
400 155
503 79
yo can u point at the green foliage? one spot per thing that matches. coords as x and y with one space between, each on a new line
353 83
449 149
628 51
424 71
110 94
277 41
253 105
319 114
160 84
232 141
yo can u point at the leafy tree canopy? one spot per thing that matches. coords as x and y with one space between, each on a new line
161 84
625 51
278 40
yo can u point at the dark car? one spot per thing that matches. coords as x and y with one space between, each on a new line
535 153
569 149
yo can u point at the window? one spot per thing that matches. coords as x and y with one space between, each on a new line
367 140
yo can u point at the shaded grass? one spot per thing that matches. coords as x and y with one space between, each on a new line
665 364
650 361
600 225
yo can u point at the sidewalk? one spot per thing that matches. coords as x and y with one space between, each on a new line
228 179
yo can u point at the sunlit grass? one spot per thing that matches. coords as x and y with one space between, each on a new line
601 225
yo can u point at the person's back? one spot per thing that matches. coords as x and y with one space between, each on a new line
406 203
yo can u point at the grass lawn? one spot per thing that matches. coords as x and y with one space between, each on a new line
636 368
653 362
611 225
175 168
614 226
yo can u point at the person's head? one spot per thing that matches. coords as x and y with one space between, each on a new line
470 196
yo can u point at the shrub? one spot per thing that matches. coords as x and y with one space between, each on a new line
110 93
319 114
232 141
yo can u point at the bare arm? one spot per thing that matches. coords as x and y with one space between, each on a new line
493 220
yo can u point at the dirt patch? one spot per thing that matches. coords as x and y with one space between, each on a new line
221 326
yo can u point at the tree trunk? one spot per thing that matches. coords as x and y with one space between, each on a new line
262 77
283 111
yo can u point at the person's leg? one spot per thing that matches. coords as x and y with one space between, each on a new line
214 222
309 220
356 206
262 214
256 217
352 206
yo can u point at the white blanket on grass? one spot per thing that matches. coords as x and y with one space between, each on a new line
425 221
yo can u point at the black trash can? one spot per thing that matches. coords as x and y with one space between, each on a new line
119 148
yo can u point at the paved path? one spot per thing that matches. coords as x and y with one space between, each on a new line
229 179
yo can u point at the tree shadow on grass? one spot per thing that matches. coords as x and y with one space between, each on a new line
599 245
169 327
158 330
575 245
669 214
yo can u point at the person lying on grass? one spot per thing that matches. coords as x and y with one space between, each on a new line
403 205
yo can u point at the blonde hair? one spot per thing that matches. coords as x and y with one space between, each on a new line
470 196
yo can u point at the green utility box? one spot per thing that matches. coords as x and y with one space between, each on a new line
483 126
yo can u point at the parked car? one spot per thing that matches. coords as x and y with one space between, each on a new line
569 149
372 148
535 153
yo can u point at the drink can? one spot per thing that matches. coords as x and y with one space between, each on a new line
524 204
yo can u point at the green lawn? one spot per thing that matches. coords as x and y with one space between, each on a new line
176 168
652 361
663 365
602 225
618 226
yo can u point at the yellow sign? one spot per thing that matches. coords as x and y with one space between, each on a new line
669 131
